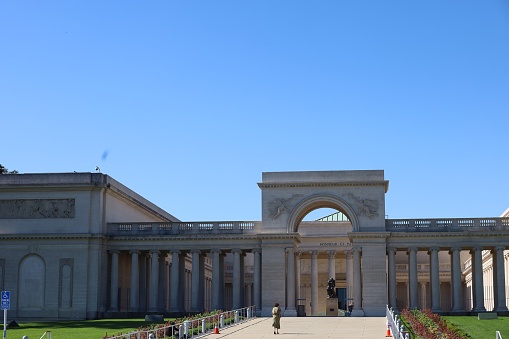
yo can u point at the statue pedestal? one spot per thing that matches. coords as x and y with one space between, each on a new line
331 307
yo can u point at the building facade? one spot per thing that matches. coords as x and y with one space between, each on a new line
82 245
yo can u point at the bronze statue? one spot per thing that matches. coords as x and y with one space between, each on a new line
331 288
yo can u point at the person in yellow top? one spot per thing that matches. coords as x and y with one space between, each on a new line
276 317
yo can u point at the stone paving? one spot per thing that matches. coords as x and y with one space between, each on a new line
309 327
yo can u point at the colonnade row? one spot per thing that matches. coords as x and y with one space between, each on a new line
207 280
459 301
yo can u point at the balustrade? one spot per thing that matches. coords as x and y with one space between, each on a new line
178 228
446 225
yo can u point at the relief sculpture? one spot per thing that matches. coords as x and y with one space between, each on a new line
365 207
279 206
37 208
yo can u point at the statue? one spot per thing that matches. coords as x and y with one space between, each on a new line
331 288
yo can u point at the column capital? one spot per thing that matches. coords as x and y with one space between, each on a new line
349 254
236 251
357 249
499 248
298 254
215 251
134 252
476 248
177 252
195 251
314 254
331 254
392 249
455 249
289 249
433 249
114 251
154 252
412 249
256 250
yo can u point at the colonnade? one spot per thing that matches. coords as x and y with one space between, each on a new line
459 301
175 280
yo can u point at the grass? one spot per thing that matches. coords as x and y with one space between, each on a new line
87 329
480 329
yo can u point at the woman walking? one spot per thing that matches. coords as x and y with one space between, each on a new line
276 317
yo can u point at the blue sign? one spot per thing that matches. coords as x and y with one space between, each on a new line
6 300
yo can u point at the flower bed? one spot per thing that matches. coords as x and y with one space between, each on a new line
428 325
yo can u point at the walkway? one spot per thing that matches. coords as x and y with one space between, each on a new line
309 327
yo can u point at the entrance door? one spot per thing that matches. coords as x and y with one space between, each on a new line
341 293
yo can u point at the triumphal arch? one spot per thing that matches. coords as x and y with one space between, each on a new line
83 245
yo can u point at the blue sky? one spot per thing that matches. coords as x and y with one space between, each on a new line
188 102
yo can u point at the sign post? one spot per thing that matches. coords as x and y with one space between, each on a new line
6 305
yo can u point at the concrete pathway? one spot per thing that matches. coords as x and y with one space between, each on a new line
309 327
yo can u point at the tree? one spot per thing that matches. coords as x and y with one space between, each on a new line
4 170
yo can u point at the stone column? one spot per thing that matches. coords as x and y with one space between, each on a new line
291 310
412 277
163 282
499 279
332 264
216 280
114 281
314 282
154 280
257 281
221 280
134 293
357 297
349 276
434 272
236 279
457 303
477 279
143 281
298 254
175 281
201 285
195 282
392 277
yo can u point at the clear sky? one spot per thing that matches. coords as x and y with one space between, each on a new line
188 102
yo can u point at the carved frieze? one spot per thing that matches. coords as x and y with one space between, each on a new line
37 208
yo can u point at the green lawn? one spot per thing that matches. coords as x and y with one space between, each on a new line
480 329
89 329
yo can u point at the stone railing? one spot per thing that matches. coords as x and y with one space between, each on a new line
447 225
183 228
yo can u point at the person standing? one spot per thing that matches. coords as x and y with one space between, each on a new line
276 317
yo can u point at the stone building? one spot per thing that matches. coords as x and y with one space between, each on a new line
82 245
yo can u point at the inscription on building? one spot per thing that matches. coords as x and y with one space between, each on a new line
37 208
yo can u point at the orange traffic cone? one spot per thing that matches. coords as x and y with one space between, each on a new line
216 330
388 333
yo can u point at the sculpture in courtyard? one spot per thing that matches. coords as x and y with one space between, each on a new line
331 288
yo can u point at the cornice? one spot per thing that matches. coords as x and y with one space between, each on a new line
384 183
51 236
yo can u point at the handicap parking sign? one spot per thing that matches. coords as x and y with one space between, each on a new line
6 300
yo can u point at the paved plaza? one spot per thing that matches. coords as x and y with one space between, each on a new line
310 327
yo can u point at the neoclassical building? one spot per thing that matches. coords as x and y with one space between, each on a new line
82 245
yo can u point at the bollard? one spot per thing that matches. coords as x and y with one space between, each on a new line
151 336
221 321
203 326
181 331
236 317
249 313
